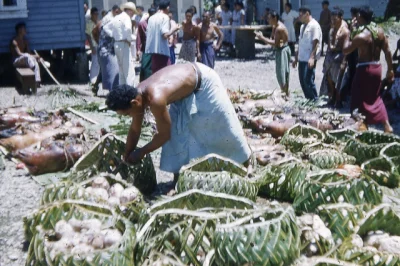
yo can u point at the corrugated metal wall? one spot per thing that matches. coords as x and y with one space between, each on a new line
51 24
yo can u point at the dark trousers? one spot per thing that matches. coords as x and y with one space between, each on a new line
307 80
172 53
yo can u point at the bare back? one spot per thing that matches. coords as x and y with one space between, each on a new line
370 49
169 84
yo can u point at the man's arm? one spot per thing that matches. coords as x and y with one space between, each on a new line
96 32
16 48
198 36
167 30
88 32
163 121
388 57
220 36
261 37
350 46
133 134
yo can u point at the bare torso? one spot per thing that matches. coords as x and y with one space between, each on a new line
189 30
207 32
338 36
370 49
170 84
20 44
281 35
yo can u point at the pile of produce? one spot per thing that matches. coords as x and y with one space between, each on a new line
44 142
320 193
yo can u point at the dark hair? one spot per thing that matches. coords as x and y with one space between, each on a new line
152 11
85 3
115 7
305 9
398 44
163 4
227 5
274 14
325 2
366 13
19 26
189 10
354 10
289 5
93 10
337 12
239 3
267 9
120 97
194 9
140 7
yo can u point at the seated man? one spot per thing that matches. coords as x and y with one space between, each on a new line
20 51
201 118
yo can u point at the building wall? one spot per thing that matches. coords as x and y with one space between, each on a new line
50 24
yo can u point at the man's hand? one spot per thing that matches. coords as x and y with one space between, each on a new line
176 27
311 63
198 57
216 47
129 43
390 76
258 34
135 156
294 64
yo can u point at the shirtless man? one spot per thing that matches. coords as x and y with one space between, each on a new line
335 61
207 36
201 118
21 53
282 52
190 40
370 40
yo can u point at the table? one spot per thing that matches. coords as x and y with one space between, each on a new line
245 39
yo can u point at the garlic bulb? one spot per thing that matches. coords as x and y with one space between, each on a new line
111 237
100 193
93 225
129 194
63 228
116 190
98 241
113 201
100 182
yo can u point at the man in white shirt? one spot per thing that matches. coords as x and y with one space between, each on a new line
158 32
310 40
120 29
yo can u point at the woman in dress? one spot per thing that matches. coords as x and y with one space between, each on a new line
238 18
225 16
108 60
288 18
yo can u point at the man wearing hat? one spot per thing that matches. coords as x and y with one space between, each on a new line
120 29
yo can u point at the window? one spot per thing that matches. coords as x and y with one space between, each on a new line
13 9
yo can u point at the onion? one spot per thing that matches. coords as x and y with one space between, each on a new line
76 224
116 190
113 201
111 237
98 241
93 225
100 193
100 182
81 250
129 194
63 228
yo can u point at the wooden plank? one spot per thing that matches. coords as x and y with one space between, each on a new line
82 116
25 72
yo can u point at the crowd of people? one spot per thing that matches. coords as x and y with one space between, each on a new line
200 113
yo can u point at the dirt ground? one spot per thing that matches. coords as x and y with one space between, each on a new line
20 194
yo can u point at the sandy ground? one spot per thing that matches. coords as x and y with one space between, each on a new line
19 193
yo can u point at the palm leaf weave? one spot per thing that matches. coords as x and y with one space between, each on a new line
391 150
329 159
71 190
269 237
321 261
383 171
215 163
335 186
339 135
310 148
384 217
186 234
222 182
299 135
367 145
107 156
342 218
281 181
119 254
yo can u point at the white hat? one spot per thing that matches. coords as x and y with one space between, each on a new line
129 5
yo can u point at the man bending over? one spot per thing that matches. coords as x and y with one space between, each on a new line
201 119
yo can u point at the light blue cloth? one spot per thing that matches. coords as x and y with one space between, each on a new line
204 122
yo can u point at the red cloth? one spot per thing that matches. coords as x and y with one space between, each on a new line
159 61
365 94
141 36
